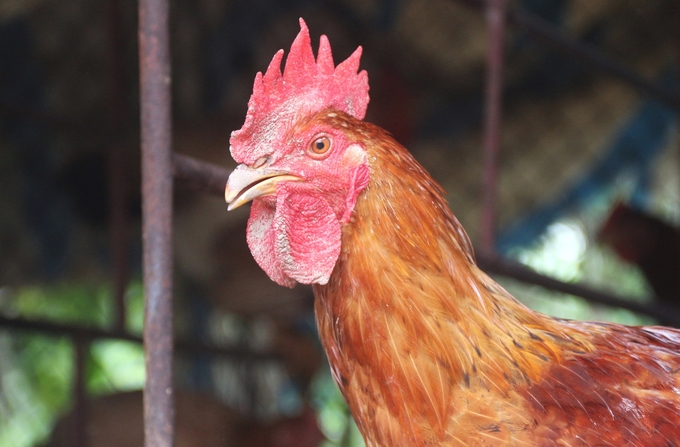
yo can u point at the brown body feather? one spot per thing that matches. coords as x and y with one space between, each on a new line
429 351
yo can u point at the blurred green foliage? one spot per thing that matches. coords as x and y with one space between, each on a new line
36 371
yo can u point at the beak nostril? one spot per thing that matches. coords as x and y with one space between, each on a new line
261 162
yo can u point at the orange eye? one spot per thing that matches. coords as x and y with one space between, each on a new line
321 145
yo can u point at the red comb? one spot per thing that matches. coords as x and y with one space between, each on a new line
305 84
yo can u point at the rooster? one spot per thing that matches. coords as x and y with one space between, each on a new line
649 243
426 348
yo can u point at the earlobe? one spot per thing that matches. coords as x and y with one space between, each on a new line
354 155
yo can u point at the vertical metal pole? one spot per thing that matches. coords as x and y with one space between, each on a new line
80 420
119 232
495 16
677 58
154 53
119 222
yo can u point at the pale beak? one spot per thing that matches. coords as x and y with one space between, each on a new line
246 184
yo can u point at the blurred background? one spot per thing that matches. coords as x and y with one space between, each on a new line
588 194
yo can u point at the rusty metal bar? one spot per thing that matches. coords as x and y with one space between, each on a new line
544 31
90 334
199 175
666 315
154 56
119 229
119 225
677 61
495 16
80 420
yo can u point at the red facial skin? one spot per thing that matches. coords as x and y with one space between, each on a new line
295 234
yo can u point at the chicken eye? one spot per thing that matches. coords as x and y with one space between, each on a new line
320 145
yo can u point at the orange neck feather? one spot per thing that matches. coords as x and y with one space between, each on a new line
405 292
